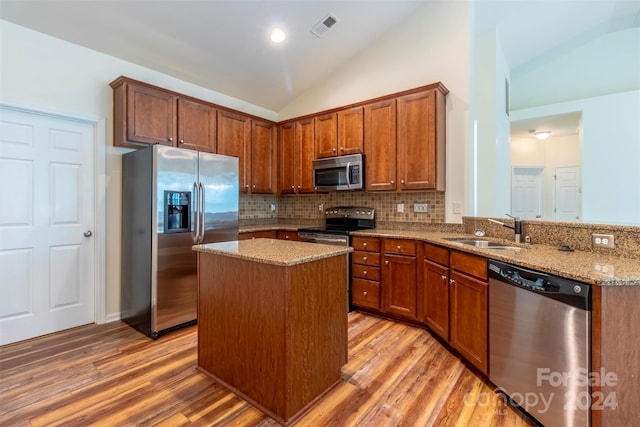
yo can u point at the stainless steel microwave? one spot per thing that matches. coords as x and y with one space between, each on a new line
339 173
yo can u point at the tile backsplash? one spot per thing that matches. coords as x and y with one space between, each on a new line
306 207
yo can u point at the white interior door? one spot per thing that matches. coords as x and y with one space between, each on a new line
46 224
567 194
526 193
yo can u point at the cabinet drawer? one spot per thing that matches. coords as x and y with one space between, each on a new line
365 272
400 246
365 243
287 235
266 234
437 254
365 293
469 264
366 258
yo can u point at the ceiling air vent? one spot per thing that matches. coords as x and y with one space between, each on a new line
323 26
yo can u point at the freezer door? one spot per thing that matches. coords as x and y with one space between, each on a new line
218 175
174 284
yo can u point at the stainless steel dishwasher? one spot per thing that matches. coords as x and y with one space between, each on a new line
539 343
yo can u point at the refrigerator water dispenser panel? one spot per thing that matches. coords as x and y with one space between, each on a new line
177 211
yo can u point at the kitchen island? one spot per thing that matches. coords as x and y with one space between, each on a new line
272 321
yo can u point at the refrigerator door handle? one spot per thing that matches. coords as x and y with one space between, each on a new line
195 235
201 212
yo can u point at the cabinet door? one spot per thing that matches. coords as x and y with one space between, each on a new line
399 286
305 143
287 158
380 145
151 115
469 321
351 131
196 126
417 155
234 139
326 135
436 298
263 158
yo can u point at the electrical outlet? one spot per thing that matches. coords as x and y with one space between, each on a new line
421 207
273 207
602 240
400 207
321 207
457 207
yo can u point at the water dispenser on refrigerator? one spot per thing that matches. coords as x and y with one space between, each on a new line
177 209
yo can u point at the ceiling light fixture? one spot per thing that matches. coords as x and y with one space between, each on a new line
543 134
277 35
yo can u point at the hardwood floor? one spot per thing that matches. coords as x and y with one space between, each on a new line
111 375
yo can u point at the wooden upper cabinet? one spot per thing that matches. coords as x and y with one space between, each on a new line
287 156
196 126
305 134
351 131
380 145
264 157
234 139
421 141
297 154
142 114
326 132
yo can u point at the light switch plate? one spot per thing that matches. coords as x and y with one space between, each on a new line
400 207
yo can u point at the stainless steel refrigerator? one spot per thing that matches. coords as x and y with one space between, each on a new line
172 198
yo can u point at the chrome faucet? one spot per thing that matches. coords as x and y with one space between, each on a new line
516 227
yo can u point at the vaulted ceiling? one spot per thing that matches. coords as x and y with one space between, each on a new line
223 45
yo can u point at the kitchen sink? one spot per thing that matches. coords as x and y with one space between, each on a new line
484 244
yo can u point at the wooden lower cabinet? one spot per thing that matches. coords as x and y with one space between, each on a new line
399 286
469 315
365 272
287 235
446 290
264 234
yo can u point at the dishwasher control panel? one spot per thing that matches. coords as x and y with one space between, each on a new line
574 293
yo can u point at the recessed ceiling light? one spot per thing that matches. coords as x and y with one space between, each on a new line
277 35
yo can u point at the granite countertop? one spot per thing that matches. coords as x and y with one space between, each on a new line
588 267
273 251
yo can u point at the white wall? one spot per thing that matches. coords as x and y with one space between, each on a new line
493 196
608 64
433 45
43 72
610 154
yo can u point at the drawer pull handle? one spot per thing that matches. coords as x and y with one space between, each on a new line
364 293
444 277
364 272
398 247
452 281
364 258
364 244
386 262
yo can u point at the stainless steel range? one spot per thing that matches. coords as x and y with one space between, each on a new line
339 222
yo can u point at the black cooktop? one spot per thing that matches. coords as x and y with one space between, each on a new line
342 220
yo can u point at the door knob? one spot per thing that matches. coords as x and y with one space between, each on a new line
88 233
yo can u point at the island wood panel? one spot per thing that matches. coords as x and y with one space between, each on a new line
615 350
276 335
